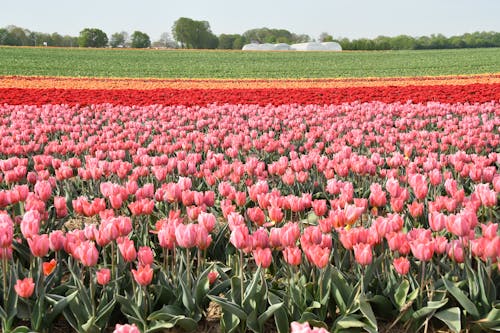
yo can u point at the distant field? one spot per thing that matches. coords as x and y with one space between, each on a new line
237 64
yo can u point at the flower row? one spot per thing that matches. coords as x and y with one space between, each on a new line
148 83
472 93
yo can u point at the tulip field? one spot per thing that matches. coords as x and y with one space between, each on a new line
356 204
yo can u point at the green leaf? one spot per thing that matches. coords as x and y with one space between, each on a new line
251 291
461 298
268 313
57 306
166 313
308 316
187 297
187 324
229 306
491 321
280 316
401 293
367 311
21 329
229 322
431 307
350 321
341 291
236 289
104 311
451 317
486 285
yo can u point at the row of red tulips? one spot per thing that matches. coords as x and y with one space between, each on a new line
472 93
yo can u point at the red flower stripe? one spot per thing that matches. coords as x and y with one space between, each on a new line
473 93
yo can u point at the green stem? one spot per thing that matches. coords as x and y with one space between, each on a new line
188 268
92 291
422 282
113 267
241 277
4 280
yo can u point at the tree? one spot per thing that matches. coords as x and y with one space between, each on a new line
140 40
118 39
165 41
194 34
325 37
17 36
92 37
234 42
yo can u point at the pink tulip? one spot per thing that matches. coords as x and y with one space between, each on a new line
145 256
292 255
185 235
240 238
363 253
87 253
25 287
103 276
143 275
401 265
127 249
39 245
126 328
30 223
262 257
7 227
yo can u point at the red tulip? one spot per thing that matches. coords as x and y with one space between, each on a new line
212 277
48 267
240 238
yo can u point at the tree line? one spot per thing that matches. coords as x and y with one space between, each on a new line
192 34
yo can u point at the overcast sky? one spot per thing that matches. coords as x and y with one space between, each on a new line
341 18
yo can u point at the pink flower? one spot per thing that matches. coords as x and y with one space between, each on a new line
126 328
292 255
39 245
363 253
263 257
87 253
275 214
422 249
401 265
127 249
185 234
7 227
103 276
43 190
145 255
25 287
207 220
30 224
212 277
290 233
143 275
240 238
